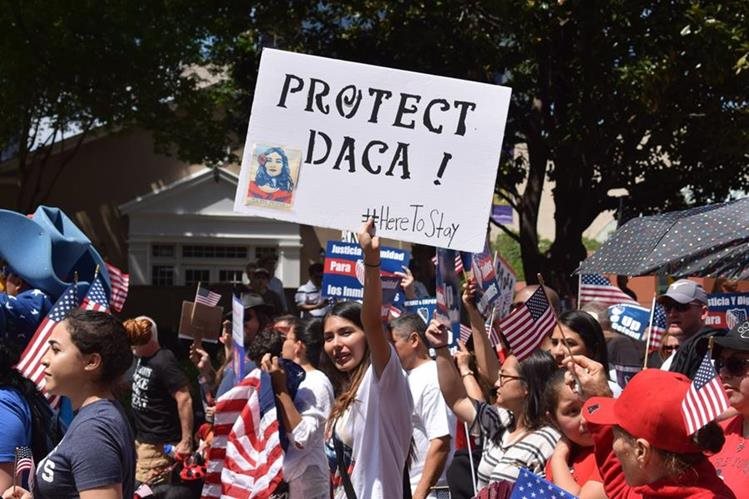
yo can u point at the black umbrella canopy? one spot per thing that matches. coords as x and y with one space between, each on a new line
707 241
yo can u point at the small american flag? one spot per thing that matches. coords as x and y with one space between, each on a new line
246 459
30 364
705 400
459 267
530 486
659 327
595 287
527 325
96 297
465 333
24 460
492 328
120 283
206 297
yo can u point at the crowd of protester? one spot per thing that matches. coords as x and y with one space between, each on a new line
373 408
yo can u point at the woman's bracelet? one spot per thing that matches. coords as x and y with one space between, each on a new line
467 373
443 346
372 264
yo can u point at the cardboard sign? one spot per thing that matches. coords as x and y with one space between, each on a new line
202 325
331 143
506 281
630 320
344 272
423 307
727 310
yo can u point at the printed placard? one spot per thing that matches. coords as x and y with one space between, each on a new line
344 272
727 310
331 143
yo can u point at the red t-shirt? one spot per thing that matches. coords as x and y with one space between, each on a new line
583 465
732 462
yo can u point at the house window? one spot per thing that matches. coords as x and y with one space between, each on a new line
204 251
162 275
233 276
194 276
262 252
163 250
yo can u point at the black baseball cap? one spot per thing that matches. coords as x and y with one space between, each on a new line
736 339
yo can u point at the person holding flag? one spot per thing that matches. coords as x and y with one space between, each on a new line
731 353
516 432
643 447
88 354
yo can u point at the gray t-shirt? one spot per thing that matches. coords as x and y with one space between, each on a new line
97 450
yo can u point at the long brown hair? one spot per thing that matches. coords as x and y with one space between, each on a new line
345 384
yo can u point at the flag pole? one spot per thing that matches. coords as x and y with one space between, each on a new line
650 333
579 282
195 301
470 457
559 326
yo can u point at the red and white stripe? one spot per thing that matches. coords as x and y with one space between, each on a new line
246 458
526 326
120 283
705 400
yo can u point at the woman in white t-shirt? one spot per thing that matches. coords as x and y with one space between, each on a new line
370 425
305 466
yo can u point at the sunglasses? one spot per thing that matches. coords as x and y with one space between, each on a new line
679 307
669 348
733 365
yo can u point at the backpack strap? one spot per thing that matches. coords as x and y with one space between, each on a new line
342 467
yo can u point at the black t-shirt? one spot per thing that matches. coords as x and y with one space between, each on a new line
96 451
155 380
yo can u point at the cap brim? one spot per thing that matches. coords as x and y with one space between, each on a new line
732 342
600 411
677 297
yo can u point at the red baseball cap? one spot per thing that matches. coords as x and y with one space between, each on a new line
649 408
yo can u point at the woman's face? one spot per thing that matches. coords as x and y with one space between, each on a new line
63 363
345 343
568 416
251 324
273 164
574 343
670 344
736 379
511 390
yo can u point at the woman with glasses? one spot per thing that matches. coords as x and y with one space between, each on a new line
731 354
516 433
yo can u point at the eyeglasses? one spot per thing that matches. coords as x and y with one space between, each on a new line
504 378
678 307
734 366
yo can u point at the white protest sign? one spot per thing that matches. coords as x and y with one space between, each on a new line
506 280
331 143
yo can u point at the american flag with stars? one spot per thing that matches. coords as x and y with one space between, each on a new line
530 486
658 327
526 326
24 460
705 400
595 287
96 297
206 296
30 364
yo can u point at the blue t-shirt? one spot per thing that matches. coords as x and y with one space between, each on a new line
97 450
15 421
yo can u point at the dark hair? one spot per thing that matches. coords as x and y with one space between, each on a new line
536 370
264 321
265 341
410 322
98 332
349 310
315 268
309 332
590 332
552 389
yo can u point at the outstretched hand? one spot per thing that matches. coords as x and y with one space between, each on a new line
437 334
369 242
592 378
407 282
463 357
469 293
